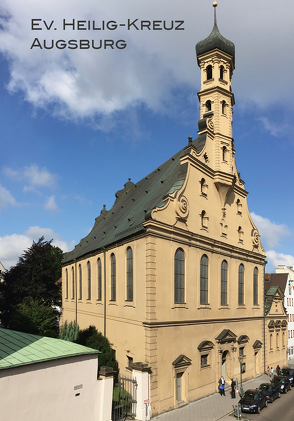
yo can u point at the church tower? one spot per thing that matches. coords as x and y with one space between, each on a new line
216 59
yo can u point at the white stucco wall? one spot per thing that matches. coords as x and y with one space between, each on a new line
65 389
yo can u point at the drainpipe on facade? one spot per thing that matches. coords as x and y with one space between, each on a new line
76 291
104 254
264 350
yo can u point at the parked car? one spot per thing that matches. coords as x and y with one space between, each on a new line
253 400
288 372
284 383
271 390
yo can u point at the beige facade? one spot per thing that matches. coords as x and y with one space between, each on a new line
173 273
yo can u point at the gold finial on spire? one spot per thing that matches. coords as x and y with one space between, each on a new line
214 3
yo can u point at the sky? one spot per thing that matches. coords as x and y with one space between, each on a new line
78 122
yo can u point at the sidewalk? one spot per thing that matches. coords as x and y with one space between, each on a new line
211 408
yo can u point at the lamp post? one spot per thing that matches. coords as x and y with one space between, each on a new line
241 357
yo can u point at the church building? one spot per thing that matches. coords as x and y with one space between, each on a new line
173 273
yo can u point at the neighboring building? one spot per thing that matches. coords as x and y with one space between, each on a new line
282 278
50 379
275 328
173 273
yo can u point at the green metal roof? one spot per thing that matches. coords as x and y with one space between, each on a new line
18 348
134 203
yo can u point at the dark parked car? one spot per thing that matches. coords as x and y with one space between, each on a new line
288 372
284 383
253 400
271 390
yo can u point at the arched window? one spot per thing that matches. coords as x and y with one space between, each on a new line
283 339
66 284
277 340
209 72
89 280
241 285
240 235
204 279
255 287
80 283
239 207
224 272
203 187
130 291
204 219
113 277
225 153
271 341
179 274
208 106
221 72
99 280
224 107
72 283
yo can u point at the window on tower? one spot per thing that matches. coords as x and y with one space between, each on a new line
208 105
221 72
209 72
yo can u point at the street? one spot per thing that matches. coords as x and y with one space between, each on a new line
280 410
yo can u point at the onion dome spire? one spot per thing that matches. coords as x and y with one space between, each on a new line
215 40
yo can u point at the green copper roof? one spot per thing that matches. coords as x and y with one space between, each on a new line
215 40
134 204
18 348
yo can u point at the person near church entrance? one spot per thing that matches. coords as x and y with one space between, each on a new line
233 389
278 370
272 372
221 386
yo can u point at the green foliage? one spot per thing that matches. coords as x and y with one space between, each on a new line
69 331
34 276
34 316
93 339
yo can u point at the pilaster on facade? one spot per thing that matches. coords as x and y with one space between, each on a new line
151 358
150 279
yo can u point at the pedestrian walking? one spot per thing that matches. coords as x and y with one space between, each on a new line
268 370
278 370
272 372
233 389
221 386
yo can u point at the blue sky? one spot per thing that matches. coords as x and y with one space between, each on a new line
77 123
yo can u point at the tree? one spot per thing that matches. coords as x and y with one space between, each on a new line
34 316
69 331
34 276
93 339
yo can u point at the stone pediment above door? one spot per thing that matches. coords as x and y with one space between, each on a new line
226 336
182 361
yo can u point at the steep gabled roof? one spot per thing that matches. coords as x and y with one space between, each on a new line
276 280
134 204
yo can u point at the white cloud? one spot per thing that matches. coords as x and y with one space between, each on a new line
275 129
279 258
6 198
50 205
269 231
35 176
86 83
13 246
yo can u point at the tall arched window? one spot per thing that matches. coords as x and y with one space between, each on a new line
255 287
204 279
221 72
89 280
271 341
179 289
241 285
209 72
80 283
113 277
99 280
130 291
66 284
277 340
208 105
224 272
72 283
223 107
